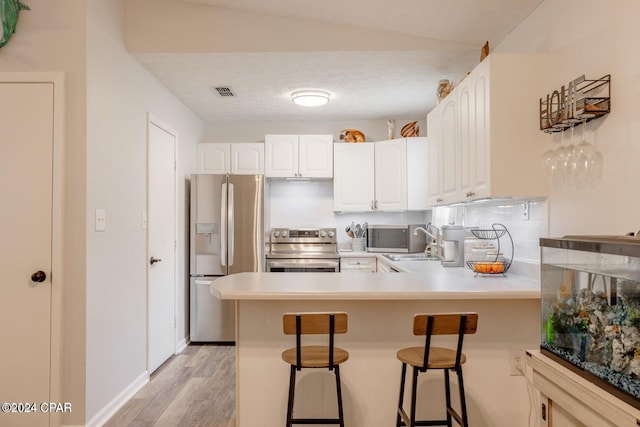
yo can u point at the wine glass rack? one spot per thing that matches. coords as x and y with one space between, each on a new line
581 101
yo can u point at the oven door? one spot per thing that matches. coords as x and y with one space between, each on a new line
303 265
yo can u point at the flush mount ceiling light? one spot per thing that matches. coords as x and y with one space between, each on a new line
310 98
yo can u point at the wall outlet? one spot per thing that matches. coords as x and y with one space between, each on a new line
516 363
525 211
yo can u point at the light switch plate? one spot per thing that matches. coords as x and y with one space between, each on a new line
101 220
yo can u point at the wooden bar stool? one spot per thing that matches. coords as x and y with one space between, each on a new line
314 356
423 358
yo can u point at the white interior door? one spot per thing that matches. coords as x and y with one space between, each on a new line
26 177
161 216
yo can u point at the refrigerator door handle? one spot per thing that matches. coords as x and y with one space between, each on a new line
223 231
231 224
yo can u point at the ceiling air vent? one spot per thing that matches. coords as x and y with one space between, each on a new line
223 91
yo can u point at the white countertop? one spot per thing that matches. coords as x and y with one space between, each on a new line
428 280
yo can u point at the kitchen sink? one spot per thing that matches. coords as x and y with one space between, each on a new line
411 257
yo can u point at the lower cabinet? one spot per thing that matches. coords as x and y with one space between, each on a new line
362 264
562 398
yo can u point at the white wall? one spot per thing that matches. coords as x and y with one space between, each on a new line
594 38
374 130
120 93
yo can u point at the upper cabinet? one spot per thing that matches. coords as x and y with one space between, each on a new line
235 158
385 175
390 175
486 135
353 180
299 156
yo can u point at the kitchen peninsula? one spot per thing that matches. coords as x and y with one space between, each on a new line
381 308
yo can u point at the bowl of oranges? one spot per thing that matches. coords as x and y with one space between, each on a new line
488 267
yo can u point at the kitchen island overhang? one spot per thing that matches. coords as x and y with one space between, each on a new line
381 308
438 284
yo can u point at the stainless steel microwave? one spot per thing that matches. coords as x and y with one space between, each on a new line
395 238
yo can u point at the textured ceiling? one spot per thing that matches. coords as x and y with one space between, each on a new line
364 85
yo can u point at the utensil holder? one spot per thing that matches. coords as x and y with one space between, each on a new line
358 244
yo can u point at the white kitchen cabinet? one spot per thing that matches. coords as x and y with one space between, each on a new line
486 132
375 176
361 264
442 125
390 175
289 156
213 158
234 158
353 181
564 399
247 158
417 174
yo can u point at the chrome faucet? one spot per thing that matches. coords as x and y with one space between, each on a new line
432 236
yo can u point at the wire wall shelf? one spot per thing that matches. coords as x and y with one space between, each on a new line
581 101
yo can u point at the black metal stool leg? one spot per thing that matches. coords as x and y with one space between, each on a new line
414 392
339 393
292 390
447 391
463 402
404 374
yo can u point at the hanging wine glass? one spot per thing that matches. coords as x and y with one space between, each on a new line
569 165
549 159
563 156
596 166
582 154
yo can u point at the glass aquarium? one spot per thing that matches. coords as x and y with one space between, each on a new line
591 309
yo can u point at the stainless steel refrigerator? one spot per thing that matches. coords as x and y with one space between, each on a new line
227 236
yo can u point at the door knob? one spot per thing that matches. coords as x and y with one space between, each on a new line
39 276
153 260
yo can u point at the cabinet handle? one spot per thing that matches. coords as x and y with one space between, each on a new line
438 200
376 204
372 205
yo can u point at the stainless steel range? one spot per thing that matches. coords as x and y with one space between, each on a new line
312 250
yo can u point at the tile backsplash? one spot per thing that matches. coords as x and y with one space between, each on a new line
526 232
298 204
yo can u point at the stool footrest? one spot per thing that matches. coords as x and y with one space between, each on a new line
315 421
405 420
455 415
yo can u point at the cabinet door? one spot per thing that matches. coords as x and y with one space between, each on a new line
448 145
391 175
353 181
281 156
247 159
316 156
213 158
466 139
434 182
417 174
481 160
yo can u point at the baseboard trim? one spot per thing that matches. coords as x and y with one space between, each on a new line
181 346
112 407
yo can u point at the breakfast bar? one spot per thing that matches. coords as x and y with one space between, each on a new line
381 307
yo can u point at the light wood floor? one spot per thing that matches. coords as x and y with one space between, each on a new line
194 388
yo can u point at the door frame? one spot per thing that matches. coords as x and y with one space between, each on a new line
154 121
57 230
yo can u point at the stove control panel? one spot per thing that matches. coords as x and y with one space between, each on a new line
303 235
